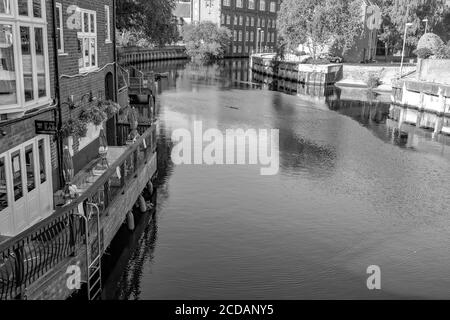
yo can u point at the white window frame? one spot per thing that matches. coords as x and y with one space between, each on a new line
273 6
60 16
262 5
108 24
82 35
17 21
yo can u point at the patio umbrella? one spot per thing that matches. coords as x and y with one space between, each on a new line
132 120
103 150
102 138
67 165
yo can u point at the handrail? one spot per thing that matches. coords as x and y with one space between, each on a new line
86 195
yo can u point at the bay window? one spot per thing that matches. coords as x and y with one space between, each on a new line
24 68
87 41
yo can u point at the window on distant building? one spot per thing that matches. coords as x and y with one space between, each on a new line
235 35
247 21
228 19
241 20
251 4
239 3
226 3
23 42
252 36
247 36
262 5
222 19
108 24
87 41
273 7
253 22
59 28
240 36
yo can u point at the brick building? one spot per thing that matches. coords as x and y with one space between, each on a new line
252 22
56 57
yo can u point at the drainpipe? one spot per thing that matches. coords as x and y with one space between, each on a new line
116 67
59 142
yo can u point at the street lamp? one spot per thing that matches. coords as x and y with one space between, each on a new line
426 24
258 40
403 50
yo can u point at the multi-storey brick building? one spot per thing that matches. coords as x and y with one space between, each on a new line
252 22
56 57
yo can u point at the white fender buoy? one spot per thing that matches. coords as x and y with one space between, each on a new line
142 204
130 221
150 187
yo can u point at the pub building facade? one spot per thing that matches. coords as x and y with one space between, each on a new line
56 59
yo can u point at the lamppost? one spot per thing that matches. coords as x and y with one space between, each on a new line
403 50
258 40
426 24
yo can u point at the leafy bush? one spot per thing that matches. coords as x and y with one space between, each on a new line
443 52
423 53
206 41
430 41
373 81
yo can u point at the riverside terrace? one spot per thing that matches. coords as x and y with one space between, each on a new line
33 265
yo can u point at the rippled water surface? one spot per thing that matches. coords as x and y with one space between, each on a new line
351 192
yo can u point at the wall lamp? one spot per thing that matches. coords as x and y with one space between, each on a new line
89 97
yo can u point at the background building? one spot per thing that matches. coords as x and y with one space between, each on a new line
252 22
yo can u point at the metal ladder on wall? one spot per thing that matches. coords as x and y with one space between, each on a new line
93 260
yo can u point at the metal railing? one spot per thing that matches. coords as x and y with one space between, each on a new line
29 255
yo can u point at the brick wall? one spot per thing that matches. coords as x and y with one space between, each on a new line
72 83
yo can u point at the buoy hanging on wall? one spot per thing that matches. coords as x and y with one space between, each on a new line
130 220
142 204
150 187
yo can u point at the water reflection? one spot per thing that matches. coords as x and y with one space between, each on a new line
355 189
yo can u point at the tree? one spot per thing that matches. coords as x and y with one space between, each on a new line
152 18
320 23
206 41
396 13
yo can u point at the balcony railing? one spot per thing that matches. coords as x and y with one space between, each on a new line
28 256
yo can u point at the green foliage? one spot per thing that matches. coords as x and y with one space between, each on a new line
206 41
430 41
320 23
443 52
74 127
149 19
373 80
424 53
396 13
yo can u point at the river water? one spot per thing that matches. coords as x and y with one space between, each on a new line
352 191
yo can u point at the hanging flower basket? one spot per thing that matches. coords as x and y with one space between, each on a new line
109 107
93 114
74 127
